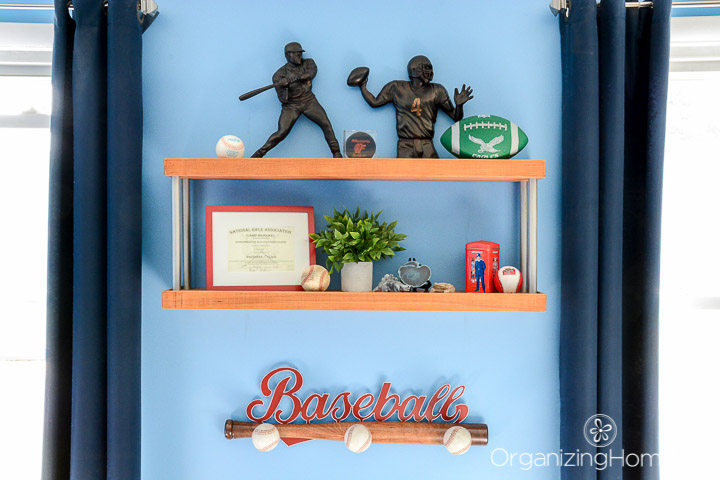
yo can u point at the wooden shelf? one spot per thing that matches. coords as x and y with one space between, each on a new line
400 169
395 169
375 301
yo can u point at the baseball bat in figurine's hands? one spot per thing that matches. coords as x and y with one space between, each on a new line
251 94
463 96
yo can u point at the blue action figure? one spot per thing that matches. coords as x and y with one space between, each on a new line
479 273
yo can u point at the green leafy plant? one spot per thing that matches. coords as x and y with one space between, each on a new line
352 237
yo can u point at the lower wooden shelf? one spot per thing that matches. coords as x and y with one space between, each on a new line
375 301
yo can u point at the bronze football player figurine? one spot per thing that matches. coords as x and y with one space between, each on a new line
416 105
293 84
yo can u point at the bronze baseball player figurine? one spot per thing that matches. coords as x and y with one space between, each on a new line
416 104
293 84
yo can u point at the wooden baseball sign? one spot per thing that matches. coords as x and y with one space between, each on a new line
423 419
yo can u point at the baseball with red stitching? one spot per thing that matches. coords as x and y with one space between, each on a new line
315 279
265 437
230 146
358 438
457 440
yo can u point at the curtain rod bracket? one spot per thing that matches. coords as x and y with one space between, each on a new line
560 6
146 7
563 6
147 11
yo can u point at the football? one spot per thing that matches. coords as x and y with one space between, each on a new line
484 136
358 76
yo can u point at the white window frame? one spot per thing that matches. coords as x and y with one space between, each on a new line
695 44
688 319
26 50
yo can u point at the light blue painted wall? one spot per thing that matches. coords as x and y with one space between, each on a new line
26 16
695 12
202 367
35 16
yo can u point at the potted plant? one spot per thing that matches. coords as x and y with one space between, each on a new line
352 241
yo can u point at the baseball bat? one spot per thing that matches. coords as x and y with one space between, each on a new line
382 432
251 94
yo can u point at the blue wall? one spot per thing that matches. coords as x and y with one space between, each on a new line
27 16
695 12
202 367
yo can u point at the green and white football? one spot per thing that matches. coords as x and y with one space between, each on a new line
484 136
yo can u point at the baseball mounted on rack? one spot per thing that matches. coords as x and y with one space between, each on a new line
258 247
484 136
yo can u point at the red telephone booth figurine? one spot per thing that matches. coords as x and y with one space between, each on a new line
482 260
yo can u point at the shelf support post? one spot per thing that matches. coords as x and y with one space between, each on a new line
524 232
176 231
186 232
532 227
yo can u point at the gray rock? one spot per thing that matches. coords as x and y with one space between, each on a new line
390 283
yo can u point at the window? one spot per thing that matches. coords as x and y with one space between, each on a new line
690 265
25 103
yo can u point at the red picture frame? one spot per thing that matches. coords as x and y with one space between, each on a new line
210 224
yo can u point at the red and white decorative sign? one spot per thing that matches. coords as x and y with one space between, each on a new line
287 382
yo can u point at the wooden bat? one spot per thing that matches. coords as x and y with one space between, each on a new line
251 94
382 432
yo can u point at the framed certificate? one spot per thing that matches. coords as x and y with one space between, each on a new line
258 248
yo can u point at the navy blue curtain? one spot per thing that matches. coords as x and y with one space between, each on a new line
615 72
92 404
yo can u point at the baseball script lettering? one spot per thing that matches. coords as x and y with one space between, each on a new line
288 382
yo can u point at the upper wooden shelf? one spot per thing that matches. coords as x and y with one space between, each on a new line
403 169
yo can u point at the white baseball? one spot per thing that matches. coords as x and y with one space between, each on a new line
230 146
315 279
457 440
265 437
357 438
